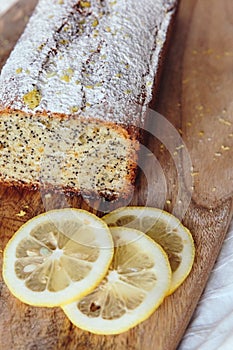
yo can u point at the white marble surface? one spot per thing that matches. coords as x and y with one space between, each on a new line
211 327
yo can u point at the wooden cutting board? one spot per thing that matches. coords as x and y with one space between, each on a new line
196 97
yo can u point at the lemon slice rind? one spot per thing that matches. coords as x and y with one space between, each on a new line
75 289
188 252
153 298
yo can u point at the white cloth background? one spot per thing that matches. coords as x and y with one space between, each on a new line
6 4
211 327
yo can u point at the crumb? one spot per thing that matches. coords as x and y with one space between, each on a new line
179 147
195 173
21 213
224 121
225 148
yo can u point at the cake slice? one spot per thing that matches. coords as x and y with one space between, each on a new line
74 94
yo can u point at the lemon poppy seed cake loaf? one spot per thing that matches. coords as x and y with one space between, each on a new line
74 92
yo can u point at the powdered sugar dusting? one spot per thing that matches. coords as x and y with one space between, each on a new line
96 58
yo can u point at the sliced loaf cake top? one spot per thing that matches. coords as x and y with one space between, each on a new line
95 58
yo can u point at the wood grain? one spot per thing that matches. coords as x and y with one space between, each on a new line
196 97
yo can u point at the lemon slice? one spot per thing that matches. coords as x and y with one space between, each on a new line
57 257
136 284
166 230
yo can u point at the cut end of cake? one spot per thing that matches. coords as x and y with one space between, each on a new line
67 152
